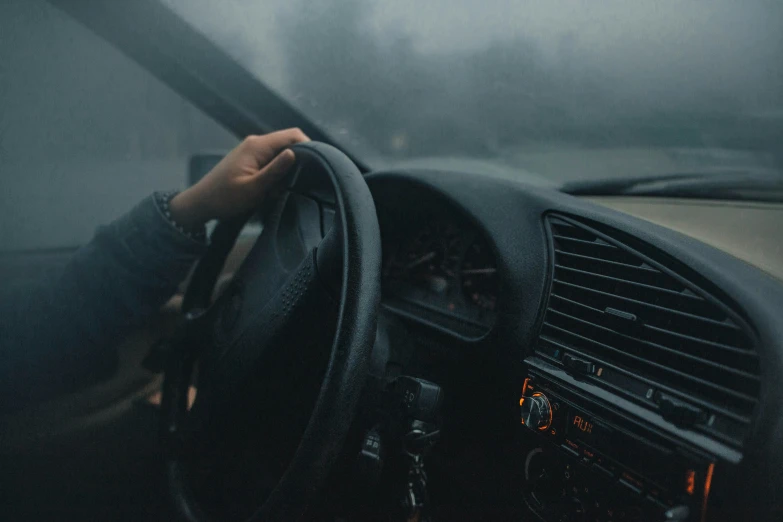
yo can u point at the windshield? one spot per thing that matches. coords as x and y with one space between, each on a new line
568 89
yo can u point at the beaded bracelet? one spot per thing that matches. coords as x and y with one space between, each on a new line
163 200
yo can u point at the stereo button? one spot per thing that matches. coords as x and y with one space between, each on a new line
657 502
602 471
632 487
571 448
577 365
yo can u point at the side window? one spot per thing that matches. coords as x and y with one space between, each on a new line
85 132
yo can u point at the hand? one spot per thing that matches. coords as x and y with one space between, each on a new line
240 181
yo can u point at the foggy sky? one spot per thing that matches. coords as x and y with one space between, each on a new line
659 50
563 90
85 132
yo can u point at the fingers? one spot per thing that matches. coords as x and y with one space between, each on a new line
279 140
276 169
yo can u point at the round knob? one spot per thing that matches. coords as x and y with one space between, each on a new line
536 412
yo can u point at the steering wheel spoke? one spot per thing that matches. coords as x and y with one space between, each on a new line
298 320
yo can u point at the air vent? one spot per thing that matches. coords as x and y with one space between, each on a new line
623 311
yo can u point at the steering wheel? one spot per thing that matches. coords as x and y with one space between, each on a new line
281 312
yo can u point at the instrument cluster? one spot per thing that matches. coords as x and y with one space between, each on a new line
442 271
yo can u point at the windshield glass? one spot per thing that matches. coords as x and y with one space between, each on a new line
569 89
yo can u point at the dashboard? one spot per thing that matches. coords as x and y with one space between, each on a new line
609 367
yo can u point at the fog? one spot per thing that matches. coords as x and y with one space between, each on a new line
507 80
559 90
85 132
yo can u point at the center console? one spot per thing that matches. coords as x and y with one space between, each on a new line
594 462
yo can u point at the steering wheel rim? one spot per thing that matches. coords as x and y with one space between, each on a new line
359 269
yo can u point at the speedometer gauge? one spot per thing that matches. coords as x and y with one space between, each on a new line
431 261
443 272
479 275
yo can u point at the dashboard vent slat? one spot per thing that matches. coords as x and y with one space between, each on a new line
661 296
625 310
662 371
675 319
695 400
598 265
701 348
653 352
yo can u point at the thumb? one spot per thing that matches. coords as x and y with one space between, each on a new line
276 169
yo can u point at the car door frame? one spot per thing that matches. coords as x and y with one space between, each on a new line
160 41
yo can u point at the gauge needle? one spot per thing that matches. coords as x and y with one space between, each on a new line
479 271
422 259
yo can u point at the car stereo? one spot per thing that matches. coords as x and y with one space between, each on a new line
595 464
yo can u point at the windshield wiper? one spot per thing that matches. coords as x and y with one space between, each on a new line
745 185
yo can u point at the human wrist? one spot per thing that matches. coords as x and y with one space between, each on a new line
187 211
181 215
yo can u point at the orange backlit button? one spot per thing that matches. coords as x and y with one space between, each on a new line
707 485
690 481
631 482
631 486
571 448
525 385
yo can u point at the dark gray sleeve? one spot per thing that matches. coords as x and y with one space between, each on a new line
54 335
